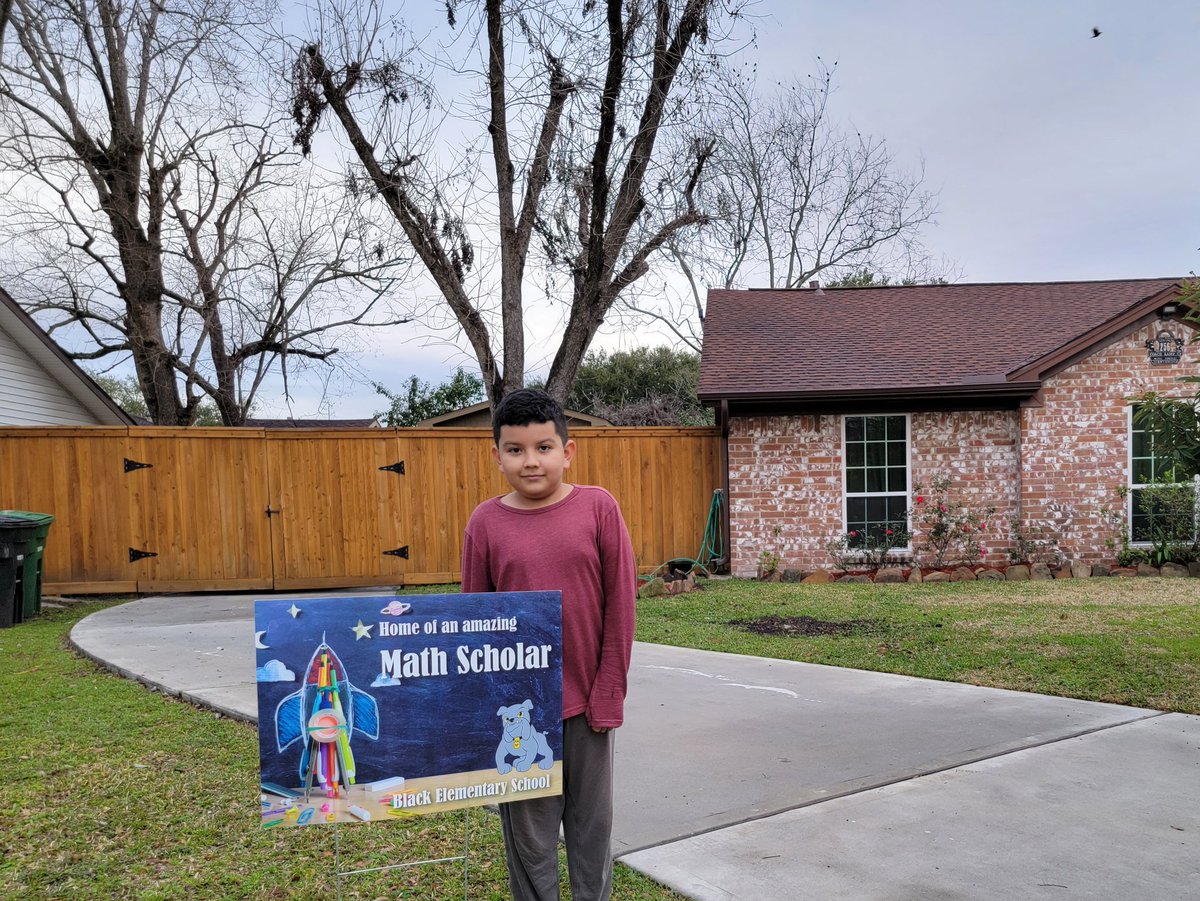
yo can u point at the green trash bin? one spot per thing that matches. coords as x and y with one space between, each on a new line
16 540
31 594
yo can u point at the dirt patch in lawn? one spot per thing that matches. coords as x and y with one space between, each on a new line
805 626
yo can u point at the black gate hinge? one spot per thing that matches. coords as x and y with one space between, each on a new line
135 555
395 467
398 552
131 465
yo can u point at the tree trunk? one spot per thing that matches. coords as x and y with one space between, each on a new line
143 296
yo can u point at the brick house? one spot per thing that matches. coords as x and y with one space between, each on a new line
834 403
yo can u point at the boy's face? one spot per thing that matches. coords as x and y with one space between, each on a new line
533 458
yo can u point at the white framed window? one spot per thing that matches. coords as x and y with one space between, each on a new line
875 477
1148 465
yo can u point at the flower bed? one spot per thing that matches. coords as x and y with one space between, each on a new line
1016 572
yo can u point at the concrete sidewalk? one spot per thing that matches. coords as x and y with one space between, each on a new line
747 778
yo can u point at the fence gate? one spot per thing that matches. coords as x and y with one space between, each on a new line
199 501
337 505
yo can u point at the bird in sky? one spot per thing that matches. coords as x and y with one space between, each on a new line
1095 32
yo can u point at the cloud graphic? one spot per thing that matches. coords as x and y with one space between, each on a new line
396 608
382 681
274 671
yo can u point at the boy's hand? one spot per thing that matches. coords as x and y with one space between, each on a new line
601 729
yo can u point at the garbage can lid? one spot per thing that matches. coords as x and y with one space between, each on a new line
37 519
15 524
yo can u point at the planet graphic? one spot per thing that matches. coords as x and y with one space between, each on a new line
396 608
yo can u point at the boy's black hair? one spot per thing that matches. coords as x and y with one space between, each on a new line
525 406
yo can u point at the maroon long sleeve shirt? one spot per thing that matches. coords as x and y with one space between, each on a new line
578 546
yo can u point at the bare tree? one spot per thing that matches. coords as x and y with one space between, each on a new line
279 266
193 244
792 195
563 148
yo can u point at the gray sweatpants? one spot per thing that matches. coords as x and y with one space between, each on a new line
585 811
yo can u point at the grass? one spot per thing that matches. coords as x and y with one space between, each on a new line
1126 641
111 791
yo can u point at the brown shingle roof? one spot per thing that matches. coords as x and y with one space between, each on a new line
797 343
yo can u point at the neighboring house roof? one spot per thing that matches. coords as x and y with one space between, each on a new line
52 364
480 416
372 423
921 340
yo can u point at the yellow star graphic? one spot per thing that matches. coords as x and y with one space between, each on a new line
361 631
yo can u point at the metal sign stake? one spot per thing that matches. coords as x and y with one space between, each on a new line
465 857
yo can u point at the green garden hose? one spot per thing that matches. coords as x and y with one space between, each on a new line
712 545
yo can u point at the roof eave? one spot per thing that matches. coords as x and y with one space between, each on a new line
991 391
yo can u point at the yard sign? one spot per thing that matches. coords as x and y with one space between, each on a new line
380 707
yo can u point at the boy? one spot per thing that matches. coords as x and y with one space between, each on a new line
549 535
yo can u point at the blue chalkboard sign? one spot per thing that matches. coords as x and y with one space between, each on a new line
372 708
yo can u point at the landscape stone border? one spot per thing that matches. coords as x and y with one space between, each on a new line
1018 572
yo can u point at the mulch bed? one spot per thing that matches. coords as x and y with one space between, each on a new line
804 626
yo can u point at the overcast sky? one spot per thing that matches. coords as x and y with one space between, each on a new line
1056 155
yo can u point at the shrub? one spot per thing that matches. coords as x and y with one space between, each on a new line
948 530
1171 509
869 551
1033 545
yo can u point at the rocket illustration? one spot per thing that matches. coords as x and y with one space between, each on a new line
315 711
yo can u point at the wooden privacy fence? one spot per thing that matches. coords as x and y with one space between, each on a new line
157 509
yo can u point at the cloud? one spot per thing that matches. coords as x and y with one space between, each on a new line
382 681
275 671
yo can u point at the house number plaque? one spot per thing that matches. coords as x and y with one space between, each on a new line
1165 348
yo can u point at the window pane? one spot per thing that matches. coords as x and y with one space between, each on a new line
856 510
895 511
897 479
854 428
875 428
1142 472
856 480
896 428
876 509
856 454
895 453
1140 525
1141 447
876 454
876 530
876 480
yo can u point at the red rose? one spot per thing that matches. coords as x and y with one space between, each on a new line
889 531
853 534
920 500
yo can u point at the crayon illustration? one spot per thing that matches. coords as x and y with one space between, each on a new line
326 711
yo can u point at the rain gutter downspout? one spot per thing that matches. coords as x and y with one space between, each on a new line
723 420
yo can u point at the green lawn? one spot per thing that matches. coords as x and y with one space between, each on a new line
1128 641
108 790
